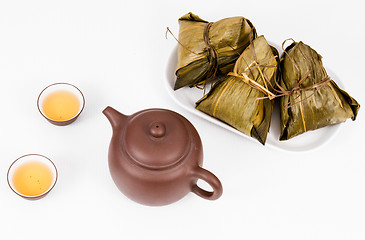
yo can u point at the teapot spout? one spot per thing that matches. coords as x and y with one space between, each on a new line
115 118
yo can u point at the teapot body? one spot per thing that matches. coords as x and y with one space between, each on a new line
155 157
150 186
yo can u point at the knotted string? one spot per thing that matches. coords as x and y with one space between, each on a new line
212 56
277 88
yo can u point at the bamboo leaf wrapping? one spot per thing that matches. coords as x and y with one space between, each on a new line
227 39
237 103
316 107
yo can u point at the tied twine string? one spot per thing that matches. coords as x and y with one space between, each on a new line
297 89
249 69
212 57
277 89
254 84
177 40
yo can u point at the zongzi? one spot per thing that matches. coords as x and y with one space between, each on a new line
206 48
242 99
311 99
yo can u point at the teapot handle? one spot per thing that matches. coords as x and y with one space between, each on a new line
211 179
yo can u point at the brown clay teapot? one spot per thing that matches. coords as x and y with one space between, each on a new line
155 157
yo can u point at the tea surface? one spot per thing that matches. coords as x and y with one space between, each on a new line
61 105
32 178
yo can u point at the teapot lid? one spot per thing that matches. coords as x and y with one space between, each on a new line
157 138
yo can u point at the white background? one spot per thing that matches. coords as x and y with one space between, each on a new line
116 52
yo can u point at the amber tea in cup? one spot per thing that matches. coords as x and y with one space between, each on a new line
61 103
32 176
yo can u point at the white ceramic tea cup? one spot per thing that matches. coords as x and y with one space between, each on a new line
32 158
61 87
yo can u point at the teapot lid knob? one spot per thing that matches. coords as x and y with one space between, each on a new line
157 129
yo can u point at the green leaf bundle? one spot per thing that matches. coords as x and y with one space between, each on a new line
312 99
206 49
238 100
